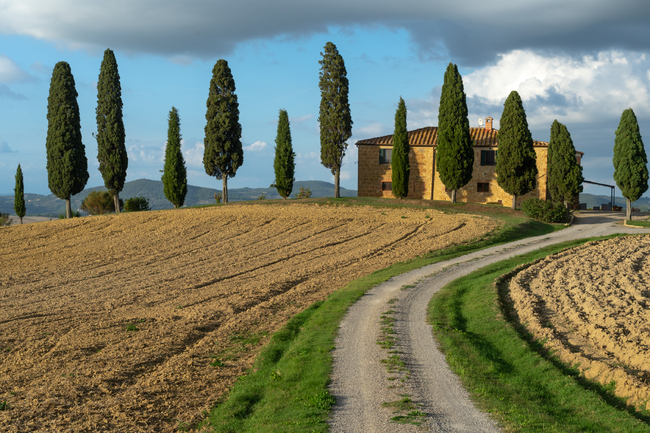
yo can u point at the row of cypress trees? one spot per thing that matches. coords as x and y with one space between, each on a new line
67 164
223 155
516 166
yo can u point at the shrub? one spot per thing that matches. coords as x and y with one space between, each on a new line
75 214
5 220
217 197
99 202
136 204
545 210
304 193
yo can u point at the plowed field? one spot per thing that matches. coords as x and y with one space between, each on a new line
140 321
592 304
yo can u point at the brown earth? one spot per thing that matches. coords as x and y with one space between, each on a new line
592 304
204 288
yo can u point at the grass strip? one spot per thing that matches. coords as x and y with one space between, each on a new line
286 390
508 373
645 224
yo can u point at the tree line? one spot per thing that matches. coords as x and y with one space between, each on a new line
516 166
516 163
67 165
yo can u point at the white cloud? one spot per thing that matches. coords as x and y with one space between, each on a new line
373 130
194 155
141 153
570 89
10 72
301 119
310 156
256 147
4 147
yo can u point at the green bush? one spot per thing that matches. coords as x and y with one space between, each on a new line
99 202
304 193
75 214
545 211
5 220
136 204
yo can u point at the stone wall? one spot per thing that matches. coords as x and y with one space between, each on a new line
372 174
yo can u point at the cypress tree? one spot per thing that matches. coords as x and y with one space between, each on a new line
223 153
516 160
67 165
284 164
564 174
174 176
111 150
630 160
400 156
334 114
455 150
19 195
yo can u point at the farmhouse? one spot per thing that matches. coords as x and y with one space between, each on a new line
424 182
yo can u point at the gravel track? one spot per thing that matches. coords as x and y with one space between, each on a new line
360 381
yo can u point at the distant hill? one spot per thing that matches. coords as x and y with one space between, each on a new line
597 200
51 206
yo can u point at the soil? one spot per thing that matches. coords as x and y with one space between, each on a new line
142 321
592 305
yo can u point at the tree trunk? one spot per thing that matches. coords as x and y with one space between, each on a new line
224 193
514 201
68 208
628 211
21 220
453 196
116 202
337 193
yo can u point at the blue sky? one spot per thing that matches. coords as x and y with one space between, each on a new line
581 63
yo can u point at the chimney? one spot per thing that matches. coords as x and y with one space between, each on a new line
488 124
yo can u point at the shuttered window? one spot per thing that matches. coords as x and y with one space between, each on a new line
488 157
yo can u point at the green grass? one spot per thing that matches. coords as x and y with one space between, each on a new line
286 390
645 224
509 374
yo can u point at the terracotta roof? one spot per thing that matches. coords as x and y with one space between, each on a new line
428 137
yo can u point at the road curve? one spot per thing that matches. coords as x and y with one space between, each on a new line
360 381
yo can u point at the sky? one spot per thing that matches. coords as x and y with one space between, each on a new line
581 62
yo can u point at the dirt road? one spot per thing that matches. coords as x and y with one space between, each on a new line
360 381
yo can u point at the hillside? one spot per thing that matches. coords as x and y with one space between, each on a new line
51 206
597 200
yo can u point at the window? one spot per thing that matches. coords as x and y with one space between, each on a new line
387 186
488 157
483 187
384 156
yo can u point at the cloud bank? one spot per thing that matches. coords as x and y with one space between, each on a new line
471 32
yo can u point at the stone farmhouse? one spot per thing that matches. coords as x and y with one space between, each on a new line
424 181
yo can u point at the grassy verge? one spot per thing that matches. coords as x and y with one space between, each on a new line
645 224
287 388
507 373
